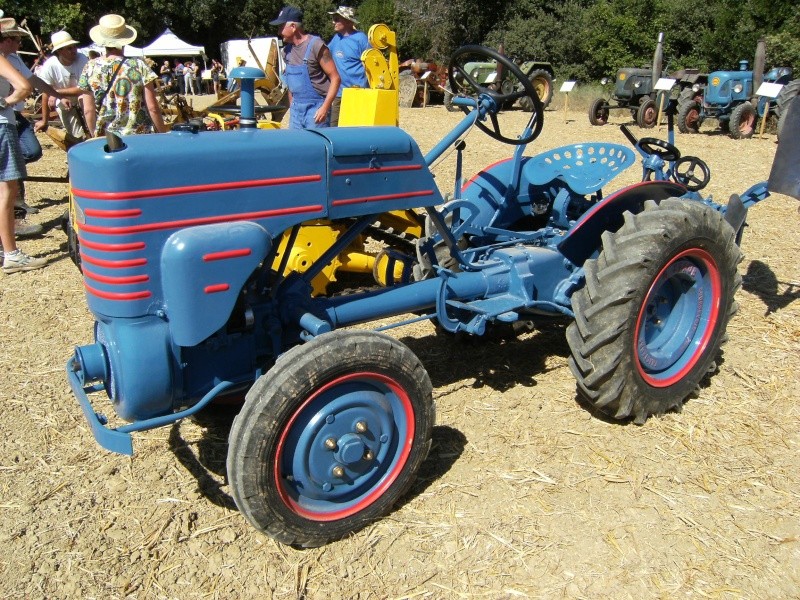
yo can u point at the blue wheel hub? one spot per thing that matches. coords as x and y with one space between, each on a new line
344 446
678 317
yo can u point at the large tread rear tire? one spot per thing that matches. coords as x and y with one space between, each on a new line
652 316
784 100
331 437
542 82
408 88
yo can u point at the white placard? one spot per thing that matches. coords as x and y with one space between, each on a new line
665 84
770 90
567 87
491 77
425 75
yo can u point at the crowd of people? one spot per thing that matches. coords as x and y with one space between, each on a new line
113 93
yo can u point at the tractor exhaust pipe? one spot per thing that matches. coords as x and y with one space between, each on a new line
658 59
758 66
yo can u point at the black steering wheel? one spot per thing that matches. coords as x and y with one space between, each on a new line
509 84
684 172
664 150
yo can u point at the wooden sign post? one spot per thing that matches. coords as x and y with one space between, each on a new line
566 88
767 90
664 85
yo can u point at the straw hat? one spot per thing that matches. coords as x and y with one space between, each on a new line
8 26
61 39
346 13
112 32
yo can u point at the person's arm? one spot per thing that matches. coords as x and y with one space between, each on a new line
45 88
89 113
43 123
22 87
329 67
153 108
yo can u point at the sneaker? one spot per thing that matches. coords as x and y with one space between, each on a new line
22 262
22 228
20 203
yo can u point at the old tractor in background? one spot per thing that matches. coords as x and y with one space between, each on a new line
185 275
493 75
422 82
730 98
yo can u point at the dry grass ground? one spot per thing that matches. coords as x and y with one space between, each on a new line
525 493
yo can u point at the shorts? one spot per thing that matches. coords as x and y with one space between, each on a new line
12 164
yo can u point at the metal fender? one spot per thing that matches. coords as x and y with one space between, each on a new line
584 238
204 268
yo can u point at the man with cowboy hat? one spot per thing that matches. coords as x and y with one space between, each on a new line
62 71
346 47
310 72
123 88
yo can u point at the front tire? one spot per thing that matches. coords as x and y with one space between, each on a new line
652 316
743 121
598 112
689 117
647 114
330 437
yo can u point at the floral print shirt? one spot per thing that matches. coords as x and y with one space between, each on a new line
123 110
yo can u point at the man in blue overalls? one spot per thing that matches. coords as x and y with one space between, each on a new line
310 73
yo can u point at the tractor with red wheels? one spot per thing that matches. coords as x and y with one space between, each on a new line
186 275
730 98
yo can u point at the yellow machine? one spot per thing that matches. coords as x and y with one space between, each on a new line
378 105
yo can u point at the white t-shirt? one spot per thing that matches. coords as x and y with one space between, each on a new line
17 63
62 76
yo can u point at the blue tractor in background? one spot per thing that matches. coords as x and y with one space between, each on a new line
185 275
730 98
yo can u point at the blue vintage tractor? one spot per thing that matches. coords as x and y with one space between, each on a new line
729 97
192 301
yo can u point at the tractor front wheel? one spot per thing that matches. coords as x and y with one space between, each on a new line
330 437
689 117
598 112
652 316
743 121
647 114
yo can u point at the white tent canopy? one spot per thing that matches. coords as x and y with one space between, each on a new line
169 44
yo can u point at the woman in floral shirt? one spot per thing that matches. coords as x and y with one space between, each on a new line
127 105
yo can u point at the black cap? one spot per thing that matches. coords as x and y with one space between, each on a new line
287 14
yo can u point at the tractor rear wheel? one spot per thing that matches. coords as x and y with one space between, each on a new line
788 93
542 82
598 112
743 121
330 437
652 316
647 114
407 89
689 117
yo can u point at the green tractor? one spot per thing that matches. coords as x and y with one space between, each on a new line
491 74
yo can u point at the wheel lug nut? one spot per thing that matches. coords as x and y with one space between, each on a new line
330 444
361 426
368 455
338 472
